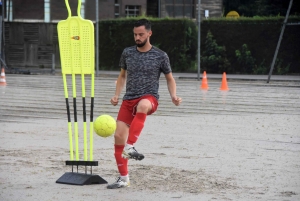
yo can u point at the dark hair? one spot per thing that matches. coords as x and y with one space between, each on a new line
143 22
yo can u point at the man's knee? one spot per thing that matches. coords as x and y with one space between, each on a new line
144 106
120 138
121 133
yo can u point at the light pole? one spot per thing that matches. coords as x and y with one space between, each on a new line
279 41
199 36
97 40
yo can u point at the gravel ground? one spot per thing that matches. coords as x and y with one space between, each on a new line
243 144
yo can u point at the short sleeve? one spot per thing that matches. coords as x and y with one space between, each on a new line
122 62
165 64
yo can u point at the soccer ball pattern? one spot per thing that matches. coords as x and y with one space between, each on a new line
105 125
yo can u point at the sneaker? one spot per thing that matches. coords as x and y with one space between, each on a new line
120 183
131 153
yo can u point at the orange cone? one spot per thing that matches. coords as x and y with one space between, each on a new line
224 86
2 78
204 84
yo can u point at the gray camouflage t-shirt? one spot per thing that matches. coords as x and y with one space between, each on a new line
143 71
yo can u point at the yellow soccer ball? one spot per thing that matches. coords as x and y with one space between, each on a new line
105 125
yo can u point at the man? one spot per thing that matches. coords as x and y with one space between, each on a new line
141 66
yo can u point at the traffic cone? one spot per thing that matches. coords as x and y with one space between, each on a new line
204 84
2 78
224 86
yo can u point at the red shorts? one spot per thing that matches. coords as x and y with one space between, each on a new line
128 108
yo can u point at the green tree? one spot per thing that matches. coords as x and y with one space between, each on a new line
214 58
245 59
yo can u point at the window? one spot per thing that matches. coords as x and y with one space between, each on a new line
26 9
180 8
117 9
47 11
132 11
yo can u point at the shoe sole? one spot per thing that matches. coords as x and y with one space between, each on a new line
128 156
117 187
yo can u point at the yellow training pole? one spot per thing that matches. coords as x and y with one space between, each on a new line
91 116
84 118
82 69
69 118
75 115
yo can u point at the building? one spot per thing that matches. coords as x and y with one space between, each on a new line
54 10
30 34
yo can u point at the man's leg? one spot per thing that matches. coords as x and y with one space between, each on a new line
121 135
137 125
143 108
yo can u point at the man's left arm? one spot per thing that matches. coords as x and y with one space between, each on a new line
172 89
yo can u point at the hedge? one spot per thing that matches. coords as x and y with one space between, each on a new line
177 37
261 36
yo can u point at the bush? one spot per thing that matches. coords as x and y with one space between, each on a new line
281 69
213 57
245 59
260 69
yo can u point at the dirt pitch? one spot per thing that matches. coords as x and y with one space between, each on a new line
243 144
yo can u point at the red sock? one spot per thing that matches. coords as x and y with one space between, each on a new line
136 127
121 162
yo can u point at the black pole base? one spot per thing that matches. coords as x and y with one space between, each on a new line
73 178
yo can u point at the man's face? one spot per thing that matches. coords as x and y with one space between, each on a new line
141 35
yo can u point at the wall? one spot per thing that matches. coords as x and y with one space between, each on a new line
31 44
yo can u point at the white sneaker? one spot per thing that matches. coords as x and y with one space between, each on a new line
120 183
130 152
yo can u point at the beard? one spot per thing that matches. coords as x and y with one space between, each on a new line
142 43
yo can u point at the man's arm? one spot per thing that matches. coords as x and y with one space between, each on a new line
119 87
172 89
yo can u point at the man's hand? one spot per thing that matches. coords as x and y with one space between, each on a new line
114 100
176 100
